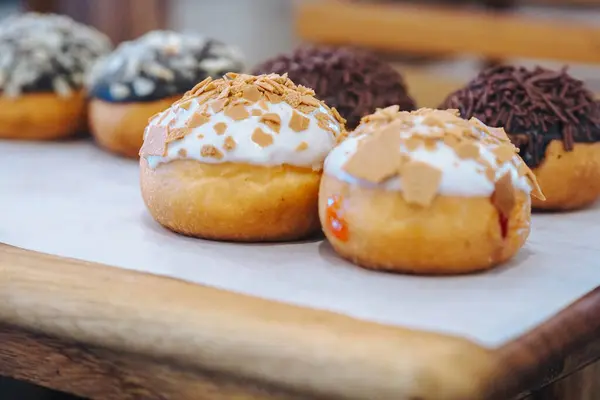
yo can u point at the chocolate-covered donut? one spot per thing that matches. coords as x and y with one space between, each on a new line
355 82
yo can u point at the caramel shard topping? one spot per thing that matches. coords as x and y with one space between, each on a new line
208 150
467 150
376 160
294 99
310 100
237 112
220 128
197 120
420 183
218 105
504 153
182 153
233 93
272 120
186 104
155 143
430 120
273 98
262 104
256 112
251 93
306 109
298 122
504 195
261 138
413 143
229 144
176 134
302 146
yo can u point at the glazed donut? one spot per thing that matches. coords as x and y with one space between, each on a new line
554 121
355 82
44 59
145 76
239 159
426 192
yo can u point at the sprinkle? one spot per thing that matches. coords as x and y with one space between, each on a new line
208 150
176 134
220 128
237 112
272 120
197 120
261 138
298 122
302 146
155 143
251 93
420 183
229 143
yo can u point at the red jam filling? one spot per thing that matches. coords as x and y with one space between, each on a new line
335 223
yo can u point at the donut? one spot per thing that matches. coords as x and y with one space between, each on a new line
44 61
554 121
355 82
426 192
145 76
239 159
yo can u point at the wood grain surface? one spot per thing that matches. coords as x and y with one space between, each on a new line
407 28
240 337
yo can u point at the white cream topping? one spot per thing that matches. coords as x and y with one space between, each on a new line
460 177
283 150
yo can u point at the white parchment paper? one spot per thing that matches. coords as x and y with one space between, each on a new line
71 199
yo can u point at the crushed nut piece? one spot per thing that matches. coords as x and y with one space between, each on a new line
298 122
220 128
208 150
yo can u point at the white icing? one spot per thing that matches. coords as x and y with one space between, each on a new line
282 151
460 177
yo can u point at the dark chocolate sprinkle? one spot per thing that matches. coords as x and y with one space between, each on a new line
355 82
533 106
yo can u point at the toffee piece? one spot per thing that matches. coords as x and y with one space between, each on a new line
355 82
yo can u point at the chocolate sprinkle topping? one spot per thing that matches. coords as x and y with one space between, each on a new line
356 83
533 106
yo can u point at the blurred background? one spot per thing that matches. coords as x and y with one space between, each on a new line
437 45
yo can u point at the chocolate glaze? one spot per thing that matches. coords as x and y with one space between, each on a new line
355 82
533 106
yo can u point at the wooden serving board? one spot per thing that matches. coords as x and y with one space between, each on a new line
108 333
105 333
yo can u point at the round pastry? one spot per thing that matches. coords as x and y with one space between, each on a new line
145 76
551 118
44 59
426 192
240 159
355 82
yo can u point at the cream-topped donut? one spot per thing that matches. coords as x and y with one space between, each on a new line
242 156
426 192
